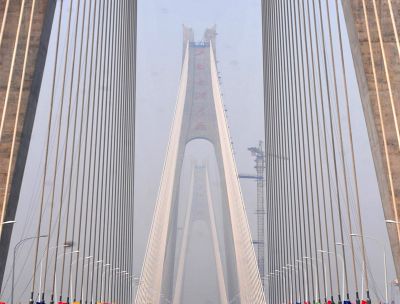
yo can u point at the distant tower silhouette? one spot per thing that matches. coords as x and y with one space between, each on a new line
200 115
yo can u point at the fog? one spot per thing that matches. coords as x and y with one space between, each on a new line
240 64
239 55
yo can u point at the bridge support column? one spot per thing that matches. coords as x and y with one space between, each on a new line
375 97
14 142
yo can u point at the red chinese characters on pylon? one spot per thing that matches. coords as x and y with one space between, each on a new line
200 126
201 111
200 66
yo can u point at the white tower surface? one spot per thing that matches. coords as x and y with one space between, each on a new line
199 114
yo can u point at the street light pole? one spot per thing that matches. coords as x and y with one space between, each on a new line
343 266
281 290
296 274
70 281
102 281
347 289
317 297
13 263
86 264
66 245
129 291
110 284
136 282
91 272
8 222
57 257
306 281
292 289
384 260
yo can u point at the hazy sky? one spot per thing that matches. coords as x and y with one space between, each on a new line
159 60
239 55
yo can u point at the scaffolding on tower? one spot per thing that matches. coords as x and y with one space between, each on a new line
259 155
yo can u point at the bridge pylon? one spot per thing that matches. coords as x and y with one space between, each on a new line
199 114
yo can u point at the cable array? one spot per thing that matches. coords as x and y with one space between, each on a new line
83 231
313 201
83 204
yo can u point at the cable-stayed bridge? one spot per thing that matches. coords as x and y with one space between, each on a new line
200 113
68 71
200 209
